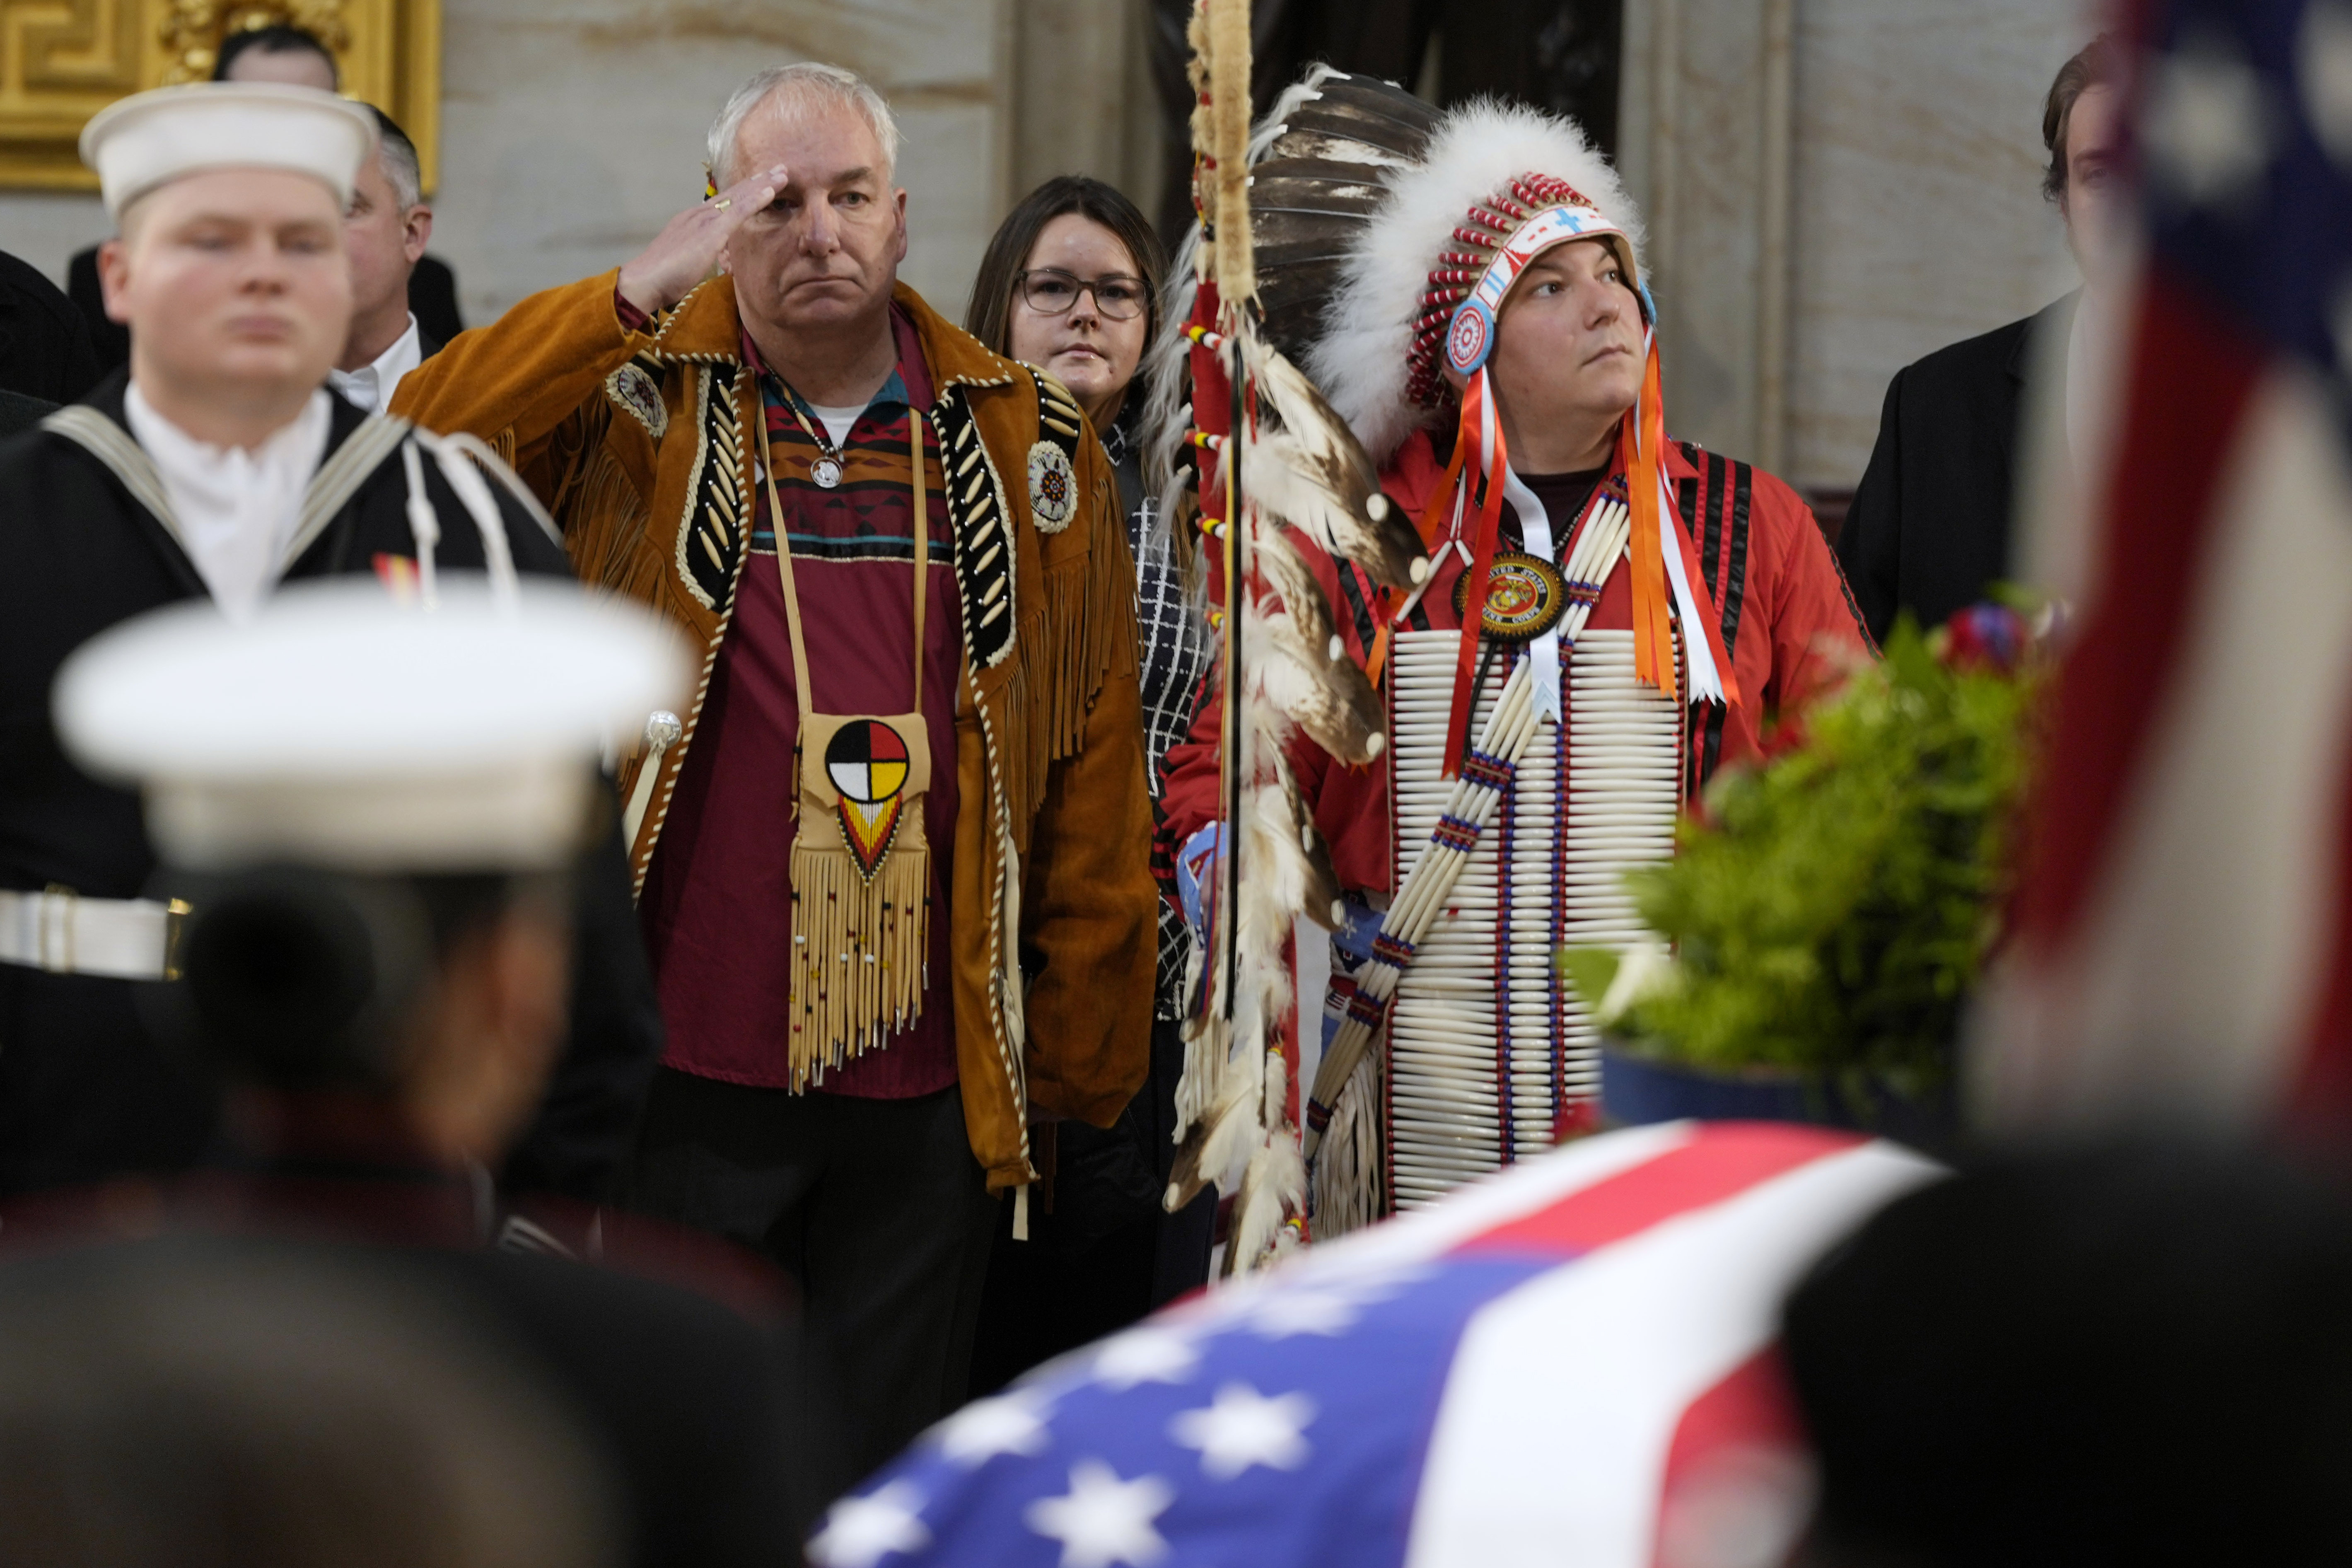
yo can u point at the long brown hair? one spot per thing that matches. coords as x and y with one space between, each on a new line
989 317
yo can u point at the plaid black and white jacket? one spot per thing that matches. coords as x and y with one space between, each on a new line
1173 649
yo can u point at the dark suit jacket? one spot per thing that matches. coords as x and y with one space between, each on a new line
431 299
86 1092
1929 528
45 348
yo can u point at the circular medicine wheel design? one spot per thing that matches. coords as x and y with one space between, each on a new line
1466 339
867 762
1525 598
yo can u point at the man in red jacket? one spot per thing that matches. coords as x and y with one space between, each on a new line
1489 317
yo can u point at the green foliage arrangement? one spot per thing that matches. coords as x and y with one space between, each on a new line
1832 913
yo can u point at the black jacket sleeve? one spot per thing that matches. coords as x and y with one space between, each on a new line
587 1124
588 1121
1870 548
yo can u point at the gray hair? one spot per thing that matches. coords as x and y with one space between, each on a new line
396 156
800 86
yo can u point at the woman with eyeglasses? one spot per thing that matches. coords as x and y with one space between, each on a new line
1072 282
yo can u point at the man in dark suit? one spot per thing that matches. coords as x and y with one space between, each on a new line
1929 529
45 347
291 55
384 232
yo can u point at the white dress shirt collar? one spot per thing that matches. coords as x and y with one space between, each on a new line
235 510
370 386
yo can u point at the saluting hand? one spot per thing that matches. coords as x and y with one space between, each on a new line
687 248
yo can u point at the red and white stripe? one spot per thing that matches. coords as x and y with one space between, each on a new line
2182 948
1567 1396
1580 1402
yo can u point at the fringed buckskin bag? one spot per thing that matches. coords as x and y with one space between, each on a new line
861 866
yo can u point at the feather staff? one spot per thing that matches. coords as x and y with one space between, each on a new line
1270 454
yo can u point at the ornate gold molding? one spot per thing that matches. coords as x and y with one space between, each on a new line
62 61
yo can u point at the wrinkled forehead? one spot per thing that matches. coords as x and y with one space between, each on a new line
820 140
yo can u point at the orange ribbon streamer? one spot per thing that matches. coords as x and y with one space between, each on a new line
1653 638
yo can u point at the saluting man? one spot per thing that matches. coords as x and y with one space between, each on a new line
894 854
216 465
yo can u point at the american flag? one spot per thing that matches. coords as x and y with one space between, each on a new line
1529 1372
2184 943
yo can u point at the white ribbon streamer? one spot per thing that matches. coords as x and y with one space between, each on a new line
1706 681
1535 531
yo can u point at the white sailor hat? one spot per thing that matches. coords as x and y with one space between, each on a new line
138 142
343 730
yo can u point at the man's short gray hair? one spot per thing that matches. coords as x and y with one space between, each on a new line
397 157
800 86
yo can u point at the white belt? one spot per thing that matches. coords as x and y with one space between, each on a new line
63 932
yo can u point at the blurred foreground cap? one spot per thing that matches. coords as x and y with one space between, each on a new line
144 141
342 729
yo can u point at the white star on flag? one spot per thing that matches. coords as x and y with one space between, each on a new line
1145 1355
1285 1313
1013 1424
2323 62
1103 1519
2207 123
859 1531
1243 1427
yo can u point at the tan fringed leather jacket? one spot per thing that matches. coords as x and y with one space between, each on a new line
642 446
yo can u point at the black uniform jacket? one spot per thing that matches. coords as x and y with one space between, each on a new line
1929 528
85 1092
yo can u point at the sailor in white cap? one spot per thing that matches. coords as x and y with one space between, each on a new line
215 467
346 789
369 811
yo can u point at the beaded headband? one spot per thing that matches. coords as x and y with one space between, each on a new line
1500 237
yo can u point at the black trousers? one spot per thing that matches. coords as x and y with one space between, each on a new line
1105 1253
876 1207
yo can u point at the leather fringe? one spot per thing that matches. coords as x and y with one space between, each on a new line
599 509
857 967
1082 635
1349 1167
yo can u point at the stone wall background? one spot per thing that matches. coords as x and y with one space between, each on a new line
1834 186
572 129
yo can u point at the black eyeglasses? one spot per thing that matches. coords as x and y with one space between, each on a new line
1050 291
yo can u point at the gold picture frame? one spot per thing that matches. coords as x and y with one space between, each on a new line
62 61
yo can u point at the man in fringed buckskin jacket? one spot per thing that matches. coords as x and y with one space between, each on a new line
852 1071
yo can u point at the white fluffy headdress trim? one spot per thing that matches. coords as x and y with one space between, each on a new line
1359 362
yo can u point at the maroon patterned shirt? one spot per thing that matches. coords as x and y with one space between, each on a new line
717 909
